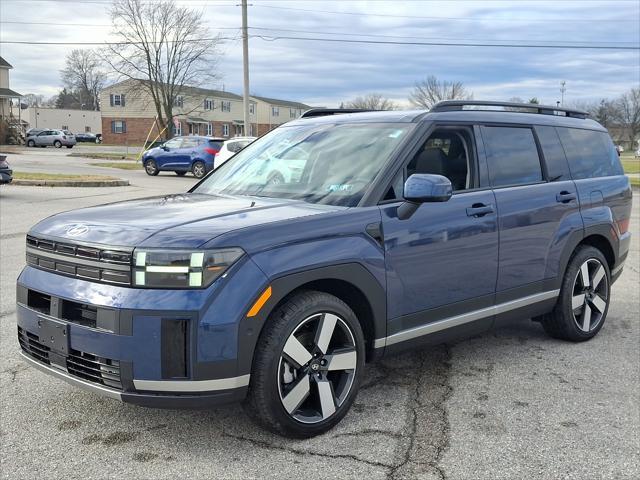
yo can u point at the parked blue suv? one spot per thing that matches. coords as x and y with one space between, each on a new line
400 229
181 155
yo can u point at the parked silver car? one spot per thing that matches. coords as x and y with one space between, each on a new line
56 138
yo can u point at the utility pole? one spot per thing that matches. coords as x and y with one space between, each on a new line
245 65
563 89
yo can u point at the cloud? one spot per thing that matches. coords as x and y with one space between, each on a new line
326 73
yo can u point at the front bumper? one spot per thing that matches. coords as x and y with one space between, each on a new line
158 348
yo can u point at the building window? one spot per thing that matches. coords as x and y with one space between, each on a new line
252 130
65 127
226 106
293 113
210 129
116 100
275 111
177 128
208 104
252 109
118 126
87 129
178 102
225 129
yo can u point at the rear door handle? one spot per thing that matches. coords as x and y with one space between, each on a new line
565 197
479 210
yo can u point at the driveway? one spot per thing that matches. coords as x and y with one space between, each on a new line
509 404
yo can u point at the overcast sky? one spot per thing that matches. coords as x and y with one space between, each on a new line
326 73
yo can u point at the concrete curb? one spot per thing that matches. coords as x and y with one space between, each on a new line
72 183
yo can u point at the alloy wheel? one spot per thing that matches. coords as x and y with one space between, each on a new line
317 368
150 167
590 295
198 170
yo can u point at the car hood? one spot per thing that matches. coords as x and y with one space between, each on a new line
176 221
151 152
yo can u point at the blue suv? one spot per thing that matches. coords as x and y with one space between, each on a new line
183 154
395 230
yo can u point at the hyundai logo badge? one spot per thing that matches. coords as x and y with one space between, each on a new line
77 230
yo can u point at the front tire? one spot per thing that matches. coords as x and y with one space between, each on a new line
31 143
584 298
151 167
198 169
307 367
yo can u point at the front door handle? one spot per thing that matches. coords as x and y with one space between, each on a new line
479 210
565 197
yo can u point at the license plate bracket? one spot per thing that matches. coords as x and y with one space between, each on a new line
54 334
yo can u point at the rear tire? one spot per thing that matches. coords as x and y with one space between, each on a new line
57 144
198 169
151 167
307 366
584 298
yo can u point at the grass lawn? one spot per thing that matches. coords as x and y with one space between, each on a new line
120 165
105 156
630 164
58 176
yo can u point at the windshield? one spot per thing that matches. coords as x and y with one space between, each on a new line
329 164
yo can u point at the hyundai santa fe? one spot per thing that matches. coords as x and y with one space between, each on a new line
398 230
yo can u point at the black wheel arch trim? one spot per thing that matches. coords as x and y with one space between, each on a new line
605 230
353 273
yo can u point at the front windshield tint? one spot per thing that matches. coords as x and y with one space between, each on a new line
330 164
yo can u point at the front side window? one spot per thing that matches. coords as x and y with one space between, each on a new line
174 143
590 153
328 164
512 156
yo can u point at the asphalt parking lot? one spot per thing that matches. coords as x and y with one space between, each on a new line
510 404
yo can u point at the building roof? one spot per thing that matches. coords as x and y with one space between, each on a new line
188 90
7 92
4 63
285 103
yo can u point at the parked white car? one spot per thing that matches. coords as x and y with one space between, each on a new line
230 148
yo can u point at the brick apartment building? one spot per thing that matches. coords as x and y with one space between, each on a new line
128 113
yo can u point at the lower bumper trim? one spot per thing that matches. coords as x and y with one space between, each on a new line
192 386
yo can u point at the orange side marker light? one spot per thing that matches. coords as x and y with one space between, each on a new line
266 295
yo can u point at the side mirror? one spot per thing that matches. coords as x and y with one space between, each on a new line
164 147
422 188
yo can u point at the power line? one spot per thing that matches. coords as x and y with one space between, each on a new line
430 38
449 44
334 12
344 40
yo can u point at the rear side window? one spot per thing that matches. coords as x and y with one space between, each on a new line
590 153
512 156
554 157
215 144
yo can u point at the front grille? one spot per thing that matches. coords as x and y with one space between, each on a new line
94 369
88 367
106 265
31 345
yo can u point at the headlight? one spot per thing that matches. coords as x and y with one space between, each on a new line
154 268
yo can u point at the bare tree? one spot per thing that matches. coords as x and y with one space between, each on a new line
162 48
372 101
628 115
83 74
430 91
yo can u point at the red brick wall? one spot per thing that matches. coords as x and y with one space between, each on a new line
138 129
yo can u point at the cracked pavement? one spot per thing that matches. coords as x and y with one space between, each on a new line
511 403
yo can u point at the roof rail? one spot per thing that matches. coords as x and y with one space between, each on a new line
321 112
451 105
